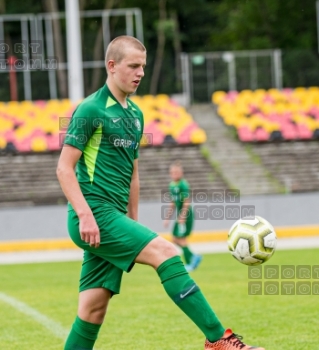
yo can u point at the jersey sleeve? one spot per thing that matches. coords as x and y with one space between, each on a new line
136 151
170 192
185 190
82 126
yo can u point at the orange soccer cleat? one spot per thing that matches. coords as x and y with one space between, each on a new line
229 341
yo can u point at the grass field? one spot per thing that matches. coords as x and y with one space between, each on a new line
38 304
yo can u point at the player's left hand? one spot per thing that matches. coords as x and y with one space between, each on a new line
181 220
166 223
89 230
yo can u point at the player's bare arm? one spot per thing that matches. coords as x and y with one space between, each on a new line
184 211
170 213
134 193
65 172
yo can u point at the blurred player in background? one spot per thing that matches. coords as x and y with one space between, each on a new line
102 144
181 208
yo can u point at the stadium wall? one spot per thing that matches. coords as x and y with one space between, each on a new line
292 215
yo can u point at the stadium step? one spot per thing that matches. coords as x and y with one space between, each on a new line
32 177
237 165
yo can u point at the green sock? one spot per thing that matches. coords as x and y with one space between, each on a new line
187 254
188 297
82 336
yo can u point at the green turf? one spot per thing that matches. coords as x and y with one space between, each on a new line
143 317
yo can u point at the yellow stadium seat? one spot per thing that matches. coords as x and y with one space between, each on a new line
137 99
259 92
242 108
270 126
293 107
162 99
42 117
299 93
6 125
280 108
26 105
300 89
230 119
311 123
198 136
254 122
245 96
218 96
3 142
148 99
13 103
242 122
38 144
22 132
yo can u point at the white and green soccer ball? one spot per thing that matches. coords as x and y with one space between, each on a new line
252 241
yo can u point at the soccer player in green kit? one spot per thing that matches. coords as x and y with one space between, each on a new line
102 145
180 196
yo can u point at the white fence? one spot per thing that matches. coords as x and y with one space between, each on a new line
35 49
204 73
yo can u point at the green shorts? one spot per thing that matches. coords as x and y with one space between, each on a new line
184 230
122 239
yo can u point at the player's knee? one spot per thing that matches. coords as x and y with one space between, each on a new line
98 315
170 250
93 304
179 241
175 240
92 313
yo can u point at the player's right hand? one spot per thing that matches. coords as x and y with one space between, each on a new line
165 223
89 230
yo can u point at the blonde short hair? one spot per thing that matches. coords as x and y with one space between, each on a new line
176 164
116 48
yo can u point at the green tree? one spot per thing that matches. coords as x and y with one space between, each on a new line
197 26
263 24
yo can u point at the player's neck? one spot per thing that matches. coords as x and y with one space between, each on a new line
118 94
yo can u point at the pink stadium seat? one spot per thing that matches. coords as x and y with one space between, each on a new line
268 99
261 134
24 146
245 134
289 131
9 136
304 132
53 142
295 112
40 103
157 139
286 116
232 96
184 138
23 122
314 111
287 91
38 132
155 135
185 135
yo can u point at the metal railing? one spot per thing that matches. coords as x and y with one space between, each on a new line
204 73
36 49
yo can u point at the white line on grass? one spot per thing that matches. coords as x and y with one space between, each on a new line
52 326
45 321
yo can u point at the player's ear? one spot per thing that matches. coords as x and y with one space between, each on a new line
111 66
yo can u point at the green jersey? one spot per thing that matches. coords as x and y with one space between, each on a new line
108 136
179 191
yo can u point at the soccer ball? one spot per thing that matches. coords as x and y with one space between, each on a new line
252 241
